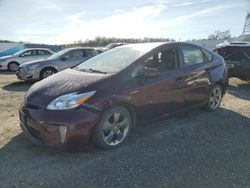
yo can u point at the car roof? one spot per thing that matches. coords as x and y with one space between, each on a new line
155 44
80 48
37 49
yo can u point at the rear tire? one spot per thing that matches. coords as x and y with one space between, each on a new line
214 99
46 72
113 128
12 66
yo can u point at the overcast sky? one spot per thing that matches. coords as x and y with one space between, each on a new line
66 21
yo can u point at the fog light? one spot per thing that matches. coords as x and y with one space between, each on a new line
63 132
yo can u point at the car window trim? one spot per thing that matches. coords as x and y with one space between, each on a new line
204 55
160 48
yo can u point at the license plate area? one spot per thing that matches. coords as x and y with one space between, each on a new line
230 65
22 117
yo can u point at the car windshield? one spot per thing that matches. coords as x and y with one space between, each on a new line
244 38
58 54
19 52
117 59
111 45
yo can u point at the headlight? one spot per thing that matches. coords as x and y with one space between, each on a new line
32 67
69 101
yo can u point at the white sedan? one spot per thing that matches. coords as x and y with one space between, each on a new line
12 62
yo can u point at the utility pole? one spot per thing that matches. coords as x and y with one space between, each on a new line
246 29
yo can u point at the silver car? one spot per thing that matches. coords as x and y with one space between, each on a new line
67 58
13 61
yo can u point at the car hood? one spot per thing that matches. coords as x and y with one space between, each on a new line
67 81
6 57
34 62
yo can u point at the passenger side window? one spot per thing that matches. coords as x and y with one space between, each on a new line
208 56
29 53
90 53
77 54
163 60
191 55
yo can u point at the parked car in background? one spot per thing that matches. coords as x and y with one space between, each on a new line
103 98
237 57
67 58
12 62
112 45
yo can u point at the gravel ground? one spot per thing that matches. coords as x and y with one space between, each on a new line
196 149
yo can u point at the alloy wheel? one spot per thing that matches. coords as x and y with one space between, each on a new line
13 66
215 98
115 128
48 73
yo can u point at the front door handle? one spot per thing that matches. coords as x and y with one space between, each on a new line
180 80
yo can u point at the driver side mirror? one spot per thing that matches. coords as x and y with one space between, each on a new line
150 72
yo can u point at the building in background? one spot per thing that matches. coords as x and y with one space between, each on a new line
9 48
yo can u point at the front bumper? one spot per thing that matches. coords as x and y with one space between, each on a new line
26 75
64 129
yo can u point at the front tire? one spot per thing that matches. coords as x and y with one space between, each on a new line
215 98
12 66
113 128
46 72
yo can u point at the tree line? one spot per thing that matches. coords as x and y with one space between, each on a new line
103 41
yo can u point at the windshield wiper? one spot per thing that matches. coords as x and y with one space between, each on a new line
92 70
98 71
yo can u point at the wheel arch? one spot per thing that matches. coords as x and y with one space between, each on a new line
223 86
129 107
47 67
12 62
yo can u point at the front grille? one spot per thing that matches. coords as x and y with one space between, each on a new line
30 125
34 133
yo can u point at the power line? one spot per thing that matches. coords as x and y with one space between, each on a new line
246 29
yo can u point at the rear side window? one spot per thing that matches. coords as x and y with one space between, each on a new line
77 53
191 55
208 56
237 56
43 52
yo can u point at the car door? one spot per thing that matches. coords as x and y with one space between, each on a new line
196 80
26 56
162 95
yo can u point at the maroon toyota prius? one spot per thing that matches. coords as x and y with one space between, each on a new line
102 99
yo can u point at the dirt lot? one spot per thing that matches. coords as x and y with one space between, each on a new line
197 149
